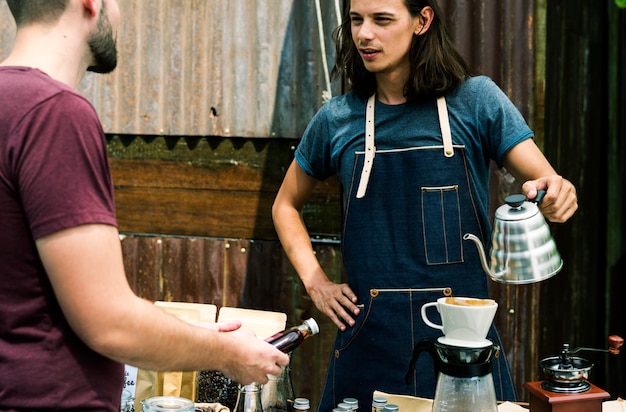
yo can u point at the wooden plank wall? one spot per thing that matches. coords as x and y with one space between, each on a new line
209 186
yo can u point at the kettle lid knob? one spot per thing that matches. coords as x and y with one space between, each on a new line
515 201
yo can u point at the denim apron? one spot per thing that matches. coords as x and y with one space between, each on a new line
406 213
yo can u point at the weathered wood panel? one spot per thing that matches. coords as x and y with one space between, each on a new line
209 187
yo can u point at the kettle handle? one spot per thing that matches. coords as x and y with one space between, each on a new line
539 197
517 200
428 346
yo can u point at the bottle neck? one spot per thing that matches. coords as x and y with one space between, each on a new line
305 330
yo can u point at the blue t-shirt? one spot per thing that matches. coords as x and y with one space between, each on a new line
482 119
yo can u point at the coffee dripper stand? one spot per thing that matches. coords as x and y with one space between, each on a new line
463 376
566 388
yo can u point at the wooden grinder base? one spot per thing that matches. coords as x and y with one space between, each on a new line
542 400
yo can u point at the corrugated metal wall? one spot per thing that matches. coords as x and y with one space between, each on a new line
249 68
245 68
254 68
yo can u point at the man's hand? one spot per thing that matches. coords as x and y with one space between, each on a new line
250 359
560 202
337 301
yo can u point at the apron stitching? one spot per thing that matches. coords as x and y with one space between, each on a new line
443 223
408 149
412 335
471 196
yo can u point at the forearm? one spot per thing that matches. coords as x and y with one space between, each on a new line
526 162
296 243
156 340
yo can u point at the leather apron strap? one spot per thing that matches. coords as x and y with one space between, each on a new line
444 124
370 148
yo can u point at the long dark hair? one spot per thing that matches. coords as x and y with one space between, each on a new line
436 64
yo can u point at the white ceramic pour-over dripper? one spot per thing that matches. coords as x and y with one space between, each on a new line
463 324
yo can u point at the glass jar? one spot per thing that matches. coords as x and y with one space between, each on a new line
378 403
215 387
353 402
128 401
249 399
167 404
277 395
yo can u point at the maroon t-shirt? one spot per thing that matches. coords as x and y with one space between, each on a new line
54 175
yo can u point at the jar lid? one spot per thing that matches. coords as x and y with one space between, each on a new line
352 401
379 401
167 404
301 404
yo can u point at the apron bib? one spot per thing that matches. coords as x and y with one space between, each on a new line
406 214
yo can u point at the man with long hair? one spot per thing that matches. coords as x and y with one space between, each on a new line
412 143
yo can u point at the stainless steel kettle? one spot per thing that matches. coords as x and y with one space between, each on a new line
522 248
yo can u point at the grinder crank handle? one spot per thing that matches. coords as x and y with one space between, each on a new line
615 342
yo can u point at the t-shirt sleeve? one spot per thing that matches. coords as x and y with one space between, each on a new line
62 168
313 154
502 123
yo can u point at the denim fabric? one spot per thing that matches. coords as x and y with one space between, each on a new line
404 236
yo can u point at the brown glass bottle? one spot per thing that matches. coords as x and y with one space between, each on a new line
291 338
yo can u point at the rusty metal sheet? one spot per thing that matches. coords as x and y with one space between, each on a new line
143 264
255 68
248 68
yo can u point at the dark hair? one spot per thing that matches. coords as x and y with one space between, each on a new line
36 11
436 64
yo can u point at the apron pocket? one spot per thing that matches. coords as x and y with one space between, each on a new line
441 224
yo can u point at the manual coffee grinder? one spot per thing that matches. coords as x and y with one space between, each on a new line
566 388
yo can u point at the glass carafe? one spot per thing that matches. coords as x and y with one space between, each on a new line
473 394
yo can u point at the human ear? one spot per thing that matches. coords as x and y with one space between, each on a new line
427 15
90 7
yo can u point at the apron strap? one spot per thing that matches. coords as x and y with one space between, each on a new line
444 124
370 149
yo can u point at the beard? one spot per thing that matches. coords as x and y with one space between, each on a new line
103 46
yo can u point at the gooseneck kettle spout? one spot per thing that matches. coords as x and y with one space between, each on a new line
483 257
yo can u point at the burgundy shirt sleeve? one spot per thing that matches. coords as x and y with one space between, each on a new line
64 176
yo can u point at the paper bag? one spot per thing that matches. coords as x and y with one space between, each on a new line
180 384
